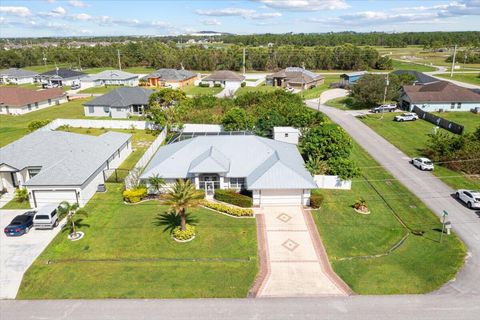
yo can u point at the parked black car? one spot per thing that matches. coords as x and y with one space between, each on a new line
20 225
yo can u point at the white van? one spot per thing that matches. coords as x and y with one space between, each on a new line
46 217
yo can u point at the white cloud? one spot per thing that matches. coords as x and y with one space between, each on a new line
77 4
16 11
305 5
82 17
237 12
211 22
59 11
51 1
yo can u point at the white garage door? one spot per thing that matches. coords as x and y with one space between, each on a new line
232 85
43 197
281 197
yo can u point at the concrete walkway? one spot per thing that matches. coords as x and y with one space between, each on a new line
296 261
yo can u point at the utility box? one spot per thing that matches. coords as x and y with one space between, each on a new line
286 134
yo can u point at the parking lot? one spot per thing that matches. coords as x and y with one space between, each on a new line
18 253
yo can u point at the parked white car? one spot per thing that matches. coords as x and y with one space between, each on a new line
46 217
289 89
424 164
408 116
470 197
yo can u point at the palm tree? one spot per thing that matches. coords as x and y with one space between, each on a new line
156 182
72 213
182 196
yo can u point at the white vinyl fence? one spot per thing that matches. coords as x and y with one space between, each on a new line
332 182
132 176
107 124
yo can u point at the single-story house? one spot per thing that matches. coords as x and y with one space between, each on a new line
439 96
171 78
294 77
17 100
17 76
57 166
352 77
61 77
119 103
419 78
276 175
110 78
226 79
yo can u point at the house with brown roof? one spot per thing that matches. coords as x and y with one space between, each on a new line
439 96
169 78
226 79
15 100
293 77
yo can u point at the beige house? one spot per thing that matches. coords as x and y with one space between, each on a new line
169 78
297 78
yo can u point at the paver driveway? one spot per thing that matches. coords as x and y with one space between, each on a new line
295 258
18 253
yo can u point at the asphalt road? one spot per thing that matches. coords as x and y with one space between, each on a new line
431 190
353 307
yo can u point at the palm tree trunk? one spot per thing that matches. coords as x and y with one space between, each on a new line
183 219
73 228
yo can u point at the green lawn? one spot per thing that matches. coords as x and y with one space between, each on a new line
420 265
412 137
261 88
33 86
402 65
473 78
13 204
15 127
197 91
99 89
317 91
127 254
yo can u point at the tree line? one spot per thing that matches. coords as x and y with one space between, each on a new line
155 54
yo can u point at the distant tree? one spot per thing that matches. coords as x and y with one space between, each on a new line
165 98
325 142
237 119
370 89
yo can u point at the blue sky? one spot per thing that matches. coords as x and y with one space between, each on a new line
136 17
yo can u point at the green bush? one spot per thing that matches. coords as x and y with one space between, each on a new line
230 196
186 234
237 212
316 200
135 195
204 85
21 195
217 85
243 84
37 124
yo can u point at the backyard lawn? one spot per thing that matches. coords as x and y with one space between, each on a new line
15 127
412 137
473 78
402 65
197 91
317 91
126 253
421 264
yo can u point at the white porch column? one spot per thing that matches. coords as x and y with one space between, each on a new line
222 182
197 181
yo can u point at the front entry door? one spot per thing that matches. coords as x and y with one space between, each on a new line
209 188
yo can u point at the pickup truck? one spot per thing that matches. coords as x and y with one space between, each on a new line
384 108
46 217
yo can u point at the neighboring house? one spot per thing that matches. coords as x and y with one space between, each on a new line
226 79
171 78
61 77
17 76
286 134
119 103
439 96
57 166
17 100
352 78
276 173
110 78
418 77
294 77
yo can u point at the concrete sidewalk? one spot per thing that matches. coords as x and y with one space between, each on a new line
296 262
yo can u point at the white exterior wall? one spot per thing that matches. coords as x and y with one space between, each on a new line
96 111
119 113
286 134
447 107
33 107
332 182
14 80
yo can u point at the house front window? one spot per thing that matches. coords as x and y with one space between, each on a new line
452 106
106 109
91 109
459 105
237 183
33 172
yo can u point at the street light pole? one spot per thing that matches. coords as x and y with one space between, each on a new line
385 95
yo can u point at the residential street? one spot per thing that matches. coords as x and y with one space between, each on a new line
433 192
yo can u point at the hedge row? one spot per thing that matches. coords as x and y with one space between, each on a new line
237 212
230 196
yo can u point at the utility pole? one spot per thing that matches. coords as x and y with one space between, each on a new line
119 63
453 60
44 61
243 61
387 82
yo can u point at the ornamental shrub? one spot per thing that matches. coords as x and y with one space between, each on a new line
135 195
316 200
237 212
21 195
37 124
243 84
230 196
186 234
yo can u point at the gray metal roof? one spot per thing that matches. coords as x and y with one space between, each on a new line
65 158
420 78
265 163
62 74
17 73
170 74
122 97
110 75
